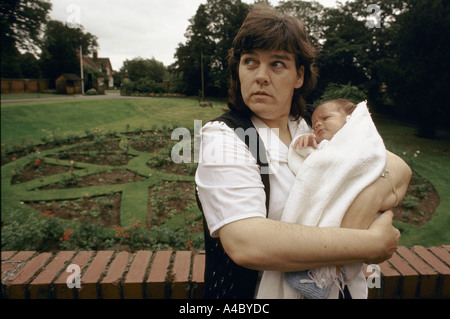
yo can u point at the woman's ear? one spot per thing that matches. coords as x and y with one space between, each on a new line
300 77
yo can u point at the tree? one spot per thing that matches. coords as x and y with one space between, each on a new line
342 58
227 17
196 54
144 76
210 34
407 52
379 45
139 68
354 52
417 76
20 27
29 66
311 13
21 23
60 49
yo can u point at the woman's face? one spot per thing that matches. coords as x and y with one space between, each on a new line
268 80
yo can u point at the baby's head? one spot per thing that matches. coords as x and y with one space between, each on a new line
330 116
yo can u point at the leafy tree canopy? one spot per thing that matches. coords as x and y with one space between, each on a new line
21 23
139 68
60 49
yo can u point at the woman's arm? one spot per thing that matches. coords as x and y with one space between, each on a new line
265 244
400 174
360 215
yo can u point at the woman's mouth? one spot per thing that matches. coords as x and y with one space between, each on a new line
261 93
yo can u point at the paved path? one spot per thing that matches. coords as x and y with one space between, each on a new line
74 97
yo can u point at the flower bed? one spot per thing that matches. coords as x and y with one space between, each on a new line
100 192
110 190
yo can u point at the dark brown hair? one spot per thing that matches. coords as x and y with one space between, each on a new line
266 29
344 105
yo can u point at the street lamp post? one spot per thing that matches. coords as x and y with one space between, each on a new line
81 67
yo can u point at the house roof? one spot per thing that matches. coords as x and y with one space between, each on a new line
100 63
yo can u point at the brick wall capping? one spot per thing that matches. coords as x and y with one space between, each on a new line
412 273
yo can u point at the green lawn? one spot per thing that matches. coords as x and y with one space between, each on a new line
433 163
15 96
27 122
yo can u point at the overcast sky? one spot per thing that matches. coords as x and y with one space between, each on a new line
127 29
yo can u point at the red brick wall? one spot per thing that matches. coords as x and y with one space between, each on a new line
415 272
23 85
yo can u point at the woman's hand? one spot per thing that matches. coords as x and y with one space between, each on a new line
386 238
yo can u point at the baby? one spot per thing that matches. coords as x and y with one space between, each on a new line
328 118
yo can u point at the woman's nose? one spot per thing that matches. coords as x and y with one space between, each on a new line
262 76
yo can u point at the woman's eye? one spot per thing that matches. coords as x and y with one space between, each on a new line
249 61
278 64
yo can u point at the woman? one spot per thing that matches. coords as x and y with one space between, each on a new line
272 68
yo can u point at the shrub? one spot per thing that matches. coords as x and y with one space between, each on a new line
146 85
91 92
410 202
127 88
89 236
143 86
348 91
57 138
136 236
30 231
45 232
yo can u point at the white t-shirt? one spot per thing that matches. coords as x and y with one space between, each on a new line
228 177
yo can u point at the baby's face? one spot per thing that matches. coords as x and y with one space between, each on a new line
327 120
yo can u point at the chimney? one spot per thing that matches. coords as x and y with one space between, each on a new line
95 55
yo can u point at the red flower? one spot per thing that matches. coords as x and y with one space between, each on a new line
48 214
66 235
189 244
36 162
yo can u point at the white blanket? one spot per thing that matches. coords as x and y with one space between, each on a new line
326 184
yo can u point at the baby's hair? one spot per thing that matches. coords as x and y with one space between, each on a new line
343 104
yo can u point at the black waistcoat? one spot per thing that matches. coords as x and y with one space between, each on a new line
224 279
